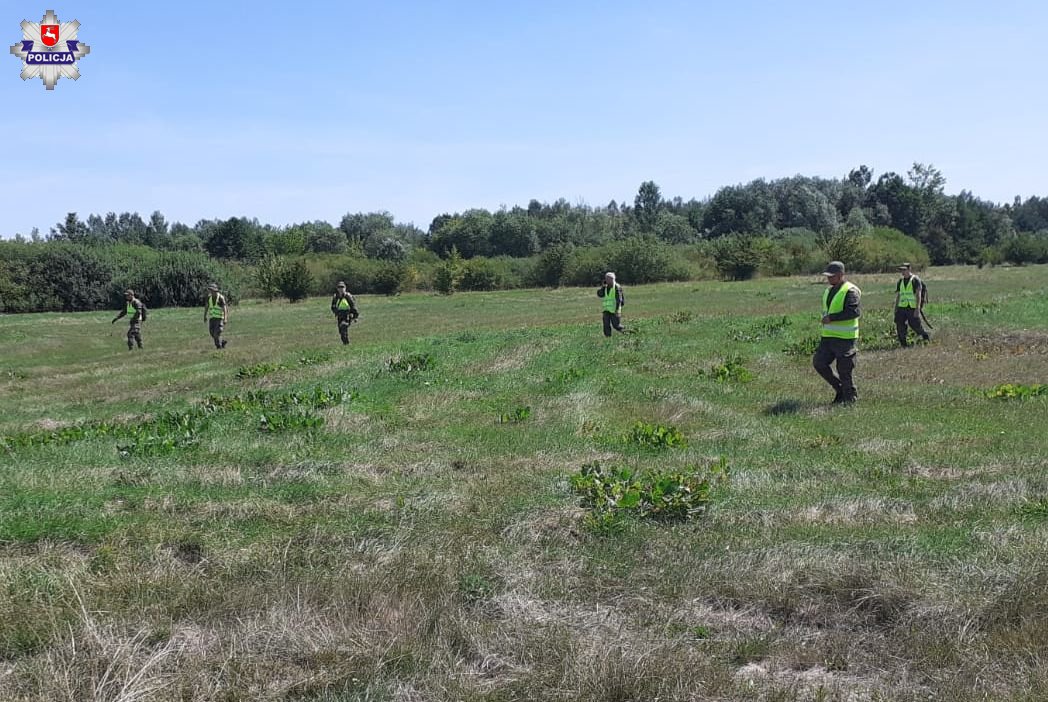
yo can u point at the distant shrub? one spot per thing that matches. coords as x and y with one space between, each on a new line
739 256
1026 248
70 278
483 274
636 261
448 276
549 267
389 278
882 249
172 279
645 260
793 251
295 281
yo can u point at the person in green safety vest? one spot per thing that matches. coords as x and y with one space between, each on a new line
216 314
344 307
909 299
840 333
134 310
614 299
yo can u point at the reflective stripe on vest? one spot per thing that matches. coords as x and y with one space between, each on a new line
214 311
611 299
343 304
845 329
907 298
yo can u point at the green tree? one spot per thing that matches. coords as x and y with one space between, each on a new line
69 229
647 205
295 280
674 228
449 274
269 273
229 239
740 209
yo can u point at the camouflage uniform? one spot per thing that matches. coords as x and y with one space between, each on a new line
344 308
137 312
215 314
906 316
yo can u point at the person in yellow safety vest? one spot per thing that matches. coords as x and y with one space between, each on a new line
344 307
136 312
614 299
216 314
840 333
909 299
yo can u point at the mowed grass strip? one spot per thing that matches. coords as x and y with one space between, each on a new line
420 538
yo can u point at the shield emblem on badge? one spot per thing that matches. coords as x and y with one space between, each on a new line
49 34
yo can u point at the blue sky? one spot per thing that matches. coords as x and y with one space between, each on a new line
300 111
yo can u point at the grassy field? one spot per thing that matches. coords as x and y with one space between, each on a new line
290 519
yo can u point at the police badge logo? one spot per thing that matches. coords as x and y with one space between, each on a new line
49 50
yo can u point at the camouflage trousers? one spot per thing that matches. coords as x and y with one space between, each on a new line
343 325
215 327
134 335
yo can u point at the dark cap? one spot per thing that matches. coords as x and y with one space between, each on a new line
834 268
903 267
340 284
213 286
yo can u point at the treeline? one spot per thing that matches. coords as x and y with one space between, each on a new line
778 227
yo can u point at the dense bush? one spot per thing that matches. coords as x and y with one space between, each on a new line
793 251
295 281
548 269
493 273
883 249
171 279
60 276
739 257
1026 248
363 276
635 261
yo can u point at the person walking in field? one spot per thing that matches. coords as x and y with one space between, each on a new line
611 293
216 314
135 310
344 307
909 300
840 333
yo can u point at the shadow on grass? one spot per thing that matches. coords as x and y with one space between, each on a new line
783 407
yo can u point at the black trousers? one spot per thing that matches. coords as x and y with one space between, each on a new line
612 320
908 317
841 351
